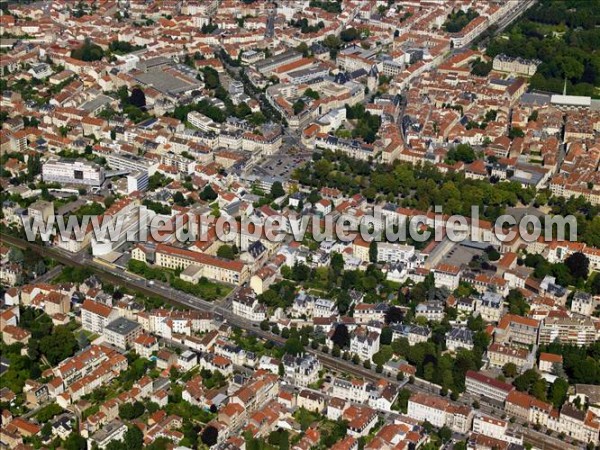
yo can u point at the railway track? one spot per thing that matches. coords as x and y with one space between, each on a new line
337 365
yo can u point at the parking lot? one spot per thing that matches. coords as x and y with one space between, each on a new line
460 254
282 164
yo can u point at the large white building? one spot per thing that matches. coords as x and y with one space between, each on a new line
128 161
137 181
202 122
394 253
128 217
517 66
73 171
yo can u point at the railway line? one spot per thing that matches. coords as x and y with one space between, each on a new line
119 277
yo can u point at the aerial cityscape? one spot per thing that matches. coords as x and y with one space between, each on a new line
300 224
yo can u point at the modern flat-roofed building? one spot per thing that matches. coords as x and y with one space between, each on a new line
480 384
112 431
268 65
129 161
568 330
137 181
202 122
73 171
122 332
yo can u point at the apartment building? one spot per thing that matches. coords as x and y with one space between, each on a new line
413 333
490 306
495 429
440 412
394 253
112 431
549 361
499 354
73 171
518 330
202 122
267 143
323 307
165 323
583 303
257 392
128 161
367 312
137 181
96 316
578 331
583 426
352 147
40 211
126 215
145 344
81 364
313 401
433 311
122 332
446 275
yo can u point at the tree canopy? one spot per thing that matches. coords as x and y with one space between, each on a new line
565 37
341 336
209 435
88 51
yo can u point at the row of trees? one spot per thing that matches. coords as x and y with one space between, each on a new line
419 187
423 186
